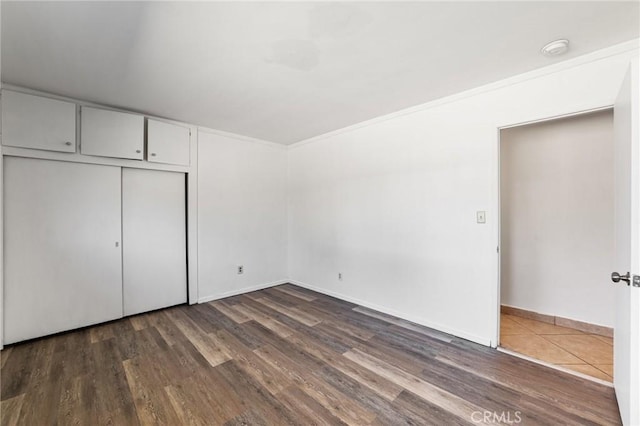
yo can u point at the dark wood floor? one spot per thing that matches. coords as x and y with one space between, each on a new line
284 355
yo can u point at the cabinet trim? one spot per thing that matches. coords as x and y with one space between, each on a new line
90 159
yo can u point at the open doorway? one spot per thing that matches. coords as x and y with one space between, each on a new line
557 242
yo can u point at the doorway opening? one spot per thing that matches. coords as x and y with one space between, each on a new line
557 242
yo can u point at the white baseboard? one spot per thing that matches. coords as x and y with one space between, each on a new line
205 299
389 311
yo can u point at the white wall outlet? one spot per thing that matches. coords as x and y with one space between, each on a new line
340 276
240 269
481 217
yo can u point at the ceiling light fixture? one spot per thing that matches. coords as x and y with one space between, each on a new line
555 48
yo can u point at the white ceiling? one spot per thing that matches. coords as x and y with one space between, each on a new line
288 71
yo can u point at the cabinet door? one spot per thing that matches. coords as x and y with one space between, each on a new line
40 123
154 240
167 143
111 133
62 229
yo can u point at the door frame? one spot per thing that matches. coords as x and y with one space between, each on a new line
497 206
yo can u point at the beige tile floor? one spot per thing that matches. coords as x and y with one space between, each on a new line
586 353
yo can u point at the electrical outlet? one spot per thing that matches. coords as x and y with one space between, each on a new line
481 217
240 269
340 276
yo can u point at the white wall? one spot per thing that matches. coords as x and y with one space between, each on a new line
391 203
557 214
242 215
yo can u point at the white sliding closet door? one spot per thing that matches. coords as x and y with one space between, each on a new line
154 240
62 231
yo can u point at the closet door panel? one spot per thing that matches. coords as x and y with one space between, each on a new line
154 240
62 229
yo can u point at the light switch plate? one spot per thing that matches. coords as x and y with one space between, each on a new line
481 217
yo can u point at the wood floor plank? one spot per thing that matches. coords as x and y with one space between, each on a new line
249 339
101 332
214 354
308 410
140 321
201 318
262 310
152 404
530 378
484 393
254 294
429 413
422 388
77 405
250 417
4 355
205 399
327 335
78 345
12 407
270 323
589 407
132 343
282 298
536 411
346 408
115 402
291 312
346 328
295 371
284 355
40 395
44 388
229 311
17 371
270 378
394 356
182 405
364 376
296 293
348 316
161 321
254 396
403 323
365 397
187 359
336 336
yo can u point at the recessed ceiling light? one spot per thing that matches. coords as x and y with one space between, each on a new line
555 48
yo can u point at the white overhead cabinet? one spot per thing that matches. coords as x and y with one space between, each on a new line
62 253
38 123
108 133
154 240
167 143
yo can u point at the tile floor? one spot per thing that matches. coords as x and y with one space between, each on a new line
586 353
